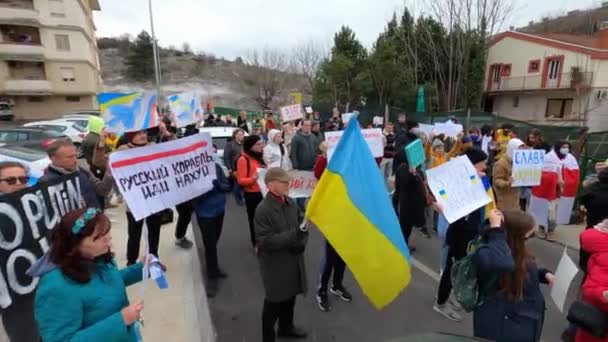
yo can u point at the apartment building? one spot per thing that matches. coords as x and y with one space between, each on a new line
48 57
549 78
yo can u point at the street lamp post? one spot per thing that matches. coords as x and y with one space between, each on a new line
156 56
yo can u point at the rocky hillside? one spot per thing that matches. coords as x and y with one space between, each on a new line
574 22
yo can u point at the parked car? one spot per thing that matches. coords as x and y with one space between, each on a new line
73 130
93 112
37 138
6 111
81 119
220 137
36 160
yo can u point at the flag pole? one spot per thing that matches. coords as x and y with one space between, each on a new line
156 56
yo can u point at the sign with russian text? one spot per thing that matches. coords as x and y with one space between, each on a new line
457 188
160 176
302 183
373 137
527 167
291 113
27 217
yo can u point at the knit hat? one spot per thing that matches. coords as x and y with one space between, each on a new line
467 139
437 143
250 141
276 174
476 155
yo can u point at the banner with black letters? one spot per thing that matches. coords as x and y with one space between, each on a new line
26 217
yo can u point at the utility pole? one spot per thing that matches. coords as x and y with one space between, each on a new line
156 58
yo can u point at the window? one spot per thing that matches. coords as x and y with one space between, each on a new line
558 108
505 70
72 98
516 101
534 66
79 128
35 99
67 74
63 42
56 8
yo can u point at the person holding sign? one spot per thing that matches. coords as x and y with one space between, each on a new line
507 196
513 307
18 319
81 295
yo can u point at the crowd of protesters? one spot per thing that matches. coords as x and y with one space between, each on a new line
74 302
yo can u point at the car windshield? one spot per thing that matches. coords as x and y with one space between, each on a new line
79 128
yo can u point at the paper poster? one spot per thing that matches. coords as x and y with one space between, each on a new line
414 152
563 213
527 167
428 130
291 113
308 110
186 108
378 120
27 217
128 112
565 273
157 177
449 129
302 183
539 209
457 188
373 137
346 117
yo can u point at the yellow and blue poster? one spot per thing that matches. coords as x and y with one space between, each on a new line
125 112
186 108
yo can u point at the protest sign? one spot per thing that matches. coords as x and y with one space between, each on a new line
27 216
301 186
291 113
186 108
308 110
373 137
457 188
378 120
128 112
566 271
157 177
427 129
449 129
346 117
527 167
414 152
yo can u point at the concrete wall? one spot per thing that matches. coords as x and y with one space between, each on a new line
86 81
50 108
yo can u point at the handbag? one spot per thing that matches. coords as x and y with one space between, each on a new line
588 318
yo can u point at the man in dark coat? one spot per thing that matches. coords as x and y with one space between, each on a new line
281 243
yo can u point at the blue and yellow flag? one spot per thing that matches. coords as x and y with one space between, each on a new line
351 207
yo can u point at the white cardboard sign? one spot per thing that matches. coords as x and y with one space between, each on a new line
302 183
291 113
373 137
527 167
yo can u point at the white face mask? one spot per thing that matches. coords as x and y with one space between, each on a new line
564 150
215 157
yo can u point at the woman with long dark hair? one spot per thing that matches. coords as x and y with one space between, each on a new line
81 295
514 308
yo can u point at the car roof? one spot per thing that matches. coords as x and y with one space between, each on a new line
83 112
23 153
51 122
21 129
219 132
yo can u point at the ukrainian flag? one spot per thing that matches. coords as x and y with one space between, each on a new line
351 207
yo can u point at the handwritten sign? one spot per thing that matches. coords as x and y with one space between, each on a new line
291 113
449 129
414 152
457 188
346 117
566 271
378 120
427 129
302 183
186 108
157 177
527 167
27 216
373 137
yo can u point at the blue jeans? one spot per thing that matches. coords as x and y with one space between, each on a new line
442 230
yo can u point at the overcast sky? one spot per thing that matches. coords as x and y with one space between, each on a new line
229 28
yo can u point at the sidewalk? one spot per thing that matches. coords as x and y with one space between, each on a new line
568 235
181 312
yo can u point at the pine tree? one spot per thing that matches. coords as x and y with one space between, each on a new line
140 60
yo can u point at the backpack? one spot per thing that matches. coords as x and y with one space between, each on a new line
236 163
465 282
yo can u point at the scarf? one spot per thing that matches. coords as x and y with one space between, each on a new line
602 226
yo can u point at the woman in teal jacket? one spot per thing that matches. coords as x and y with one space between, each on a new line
81 295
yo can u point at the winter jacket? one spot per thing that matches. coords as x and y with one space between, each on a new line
231 152
90 142
304 151
276 155
242 124
90 186
320 166
389 148
501 318
595 242
281 245
595 201
213 203
507 197
409 197
246 168
70 311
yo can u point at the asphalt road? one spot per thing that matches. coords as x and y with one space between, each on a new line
236 311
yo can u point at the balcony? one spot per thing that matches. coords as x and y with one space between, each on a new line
18 12
21 52
564 81
27 87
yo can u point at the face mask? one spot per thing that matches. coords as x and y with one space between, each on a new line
564 150
215 157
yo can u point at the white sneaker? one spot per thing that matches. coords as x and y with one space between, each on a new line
446 311
454 303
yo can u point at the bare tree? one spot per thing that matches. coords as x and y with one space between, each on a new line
264 75
307 57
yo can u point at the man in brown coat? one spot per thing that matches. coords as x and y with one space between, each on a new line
281 243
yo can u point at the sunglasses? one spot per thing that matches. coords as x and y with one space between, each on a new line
14 180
